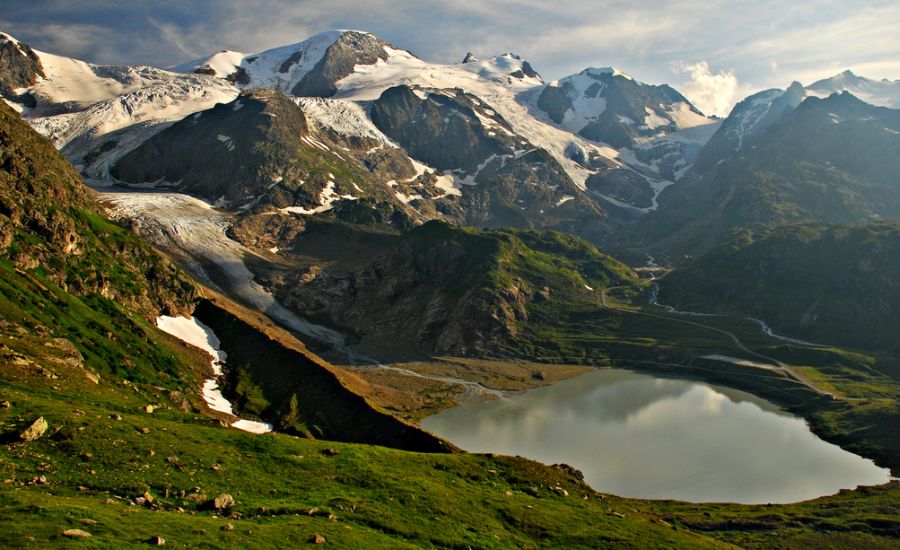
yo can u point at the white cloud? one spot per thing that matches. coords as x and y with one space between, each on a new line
645 39
712 93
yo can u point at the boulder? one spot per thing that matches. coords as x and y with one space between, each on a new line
223 502
37 429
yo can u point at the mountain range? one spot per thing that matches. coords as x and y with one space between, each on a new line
339 209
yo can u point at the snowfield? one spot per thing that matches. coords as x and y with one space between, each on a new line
191 331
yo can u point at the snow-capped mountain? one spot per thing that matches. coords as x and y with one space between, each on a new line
96 112
357 66
830 160
756 113
883 93
655 129
747 119
593 140
607 105
308 68
19 69
223 64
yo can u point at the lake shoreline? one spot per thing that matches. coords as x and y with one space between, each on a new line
652 435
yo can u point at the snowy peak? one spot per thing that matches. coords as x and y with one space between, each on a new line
883 93
606 105
308 68
841 80
604 72
502 68
222 64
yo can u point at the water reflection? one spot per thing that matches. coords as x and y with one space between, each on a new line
640 436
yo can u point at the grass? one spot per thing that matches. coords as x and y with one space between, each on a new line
380 496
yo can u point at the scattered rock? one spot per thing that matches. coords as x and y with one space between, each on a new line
145 431
330 451
228 527
157 541
40 480
88 521
149 409
35 430
86 457
116 416
171 459
317 539
77 533
216 467
5 404
148 497
560 491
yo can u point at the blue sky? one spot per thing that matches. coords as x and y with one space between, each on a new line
715 51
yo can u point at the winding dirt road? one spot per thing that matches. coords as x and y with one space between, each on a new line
779 365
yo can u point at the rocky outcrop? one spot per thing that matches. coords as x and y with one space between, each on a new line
234 151
441 129
349 50
261 151
623 185
509 182
606 106
35 430
435 288
20 67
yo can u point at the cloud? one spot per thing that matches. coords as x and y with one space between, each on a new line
712 93
645 39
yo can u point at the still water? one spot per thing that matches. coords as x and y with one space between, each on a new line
640 436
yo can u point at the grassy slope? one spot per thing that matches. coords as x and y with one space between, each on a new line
97 455
806 168
382 497
825 283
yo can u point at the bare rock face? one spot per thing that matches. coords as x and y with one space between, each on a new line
19 68
351 49
510 181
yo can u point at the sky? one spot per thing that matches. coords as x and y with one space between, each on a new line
714 51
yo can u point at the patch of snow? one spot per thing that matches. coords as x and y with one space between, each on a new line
653 120
224 63
327 198
564 200
191 331
15 106
447 183
347 118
